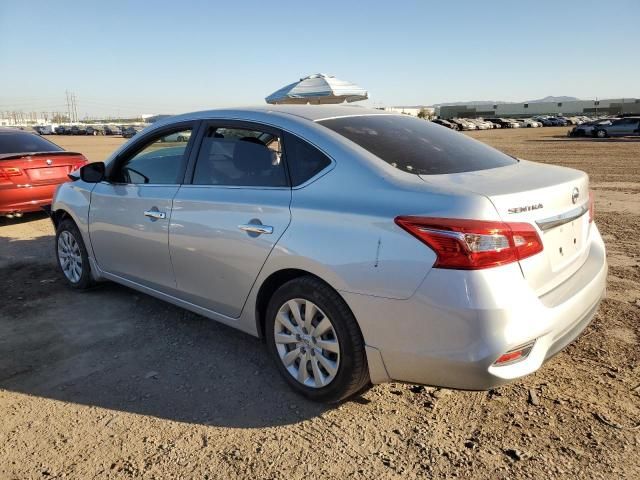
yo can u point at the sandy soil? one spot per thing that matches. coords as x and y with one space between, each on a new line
115 384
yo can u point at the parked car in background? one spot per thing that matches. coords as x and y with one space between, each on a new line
618 128
31 168
501 121
129 132
530 123
112 130
95 130
46 129
467 269
586 129
78 130
177 137
445 123
463 124
481 124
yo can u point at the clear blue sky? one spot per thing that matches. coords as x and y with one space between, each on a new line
133 57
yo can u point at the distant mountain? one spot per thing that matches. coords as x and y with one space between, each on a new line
473 102
500 102
553 99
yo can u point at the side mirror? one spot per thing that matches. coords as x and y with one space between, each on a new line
92 172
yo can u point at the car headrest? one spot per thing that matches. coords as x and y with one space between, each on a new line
250 155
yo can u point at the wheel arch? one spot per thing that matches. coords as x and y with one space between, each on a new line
57 216
269 286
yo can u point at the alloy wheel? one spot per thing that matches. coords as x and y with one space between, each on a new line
307 343
69 256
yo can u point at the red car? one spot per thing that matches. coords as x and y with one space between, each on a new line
31 168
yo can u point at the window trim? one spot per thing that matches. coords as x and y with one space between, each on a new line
143 141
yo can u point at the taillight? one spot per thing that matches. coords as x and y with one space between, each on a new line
78 164
592 206
473 244
7 172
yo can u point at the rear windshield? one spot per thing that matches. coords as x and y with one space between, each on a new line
21 142
418 146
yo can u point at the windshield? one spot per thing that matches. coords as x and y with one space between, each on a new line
418 146
21 142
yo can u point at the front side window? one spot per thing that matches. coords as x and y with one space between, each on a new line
159 162
415 146
241 158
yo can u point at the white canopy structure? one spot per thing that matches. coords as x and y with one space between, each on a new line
318 89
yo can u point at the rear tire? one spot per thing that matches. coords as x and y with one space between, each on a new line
344 357
72 257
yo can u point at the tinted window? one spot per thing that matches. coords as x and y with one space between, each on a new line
21 142
240 157
159 162
416 146
303 159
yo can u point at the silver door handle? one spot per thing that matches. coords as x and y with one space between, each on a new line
256 228
155 214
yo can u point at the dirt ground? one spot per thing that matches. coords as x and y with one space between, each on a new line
115 384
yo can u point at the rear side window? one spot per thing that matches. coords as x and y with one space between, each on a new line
304 160
240 158
417 146
21 142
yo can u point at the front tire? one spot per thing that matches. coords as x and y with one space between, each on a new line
72 256
601 134
315 341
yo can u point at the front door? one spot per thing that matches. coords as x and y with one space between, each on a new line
130 211
227 221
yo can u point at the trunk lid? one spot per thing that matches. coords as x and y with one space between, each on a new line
42 168
553 199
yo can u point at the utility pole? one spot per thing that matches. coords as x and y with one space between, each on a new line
68 105
75 107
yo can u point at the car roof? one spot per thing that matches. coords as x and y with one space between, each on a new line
309 112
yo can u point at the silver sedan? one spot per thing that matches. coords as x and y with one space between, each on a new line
362 246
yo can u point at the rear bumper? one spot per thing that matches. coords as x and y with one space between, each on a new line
458 323
25 199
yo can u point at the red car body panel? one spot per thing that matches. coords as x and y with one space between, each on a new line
28 181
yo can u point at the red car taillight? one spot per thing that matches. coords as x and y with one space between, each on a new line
473 244
592 206
7 172
78 164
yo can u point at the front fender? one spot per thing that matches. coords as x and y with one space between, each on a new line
74 199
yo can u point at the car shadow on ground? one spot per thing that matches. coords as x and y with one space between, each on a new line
115 348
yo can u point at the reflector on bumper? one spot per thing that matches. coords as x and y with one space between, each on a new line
515 355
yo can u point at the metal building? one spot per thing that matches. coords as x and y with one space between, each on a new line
614 106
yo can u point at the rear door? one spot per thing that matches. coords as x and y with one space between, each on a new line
130 211
228 219
626 126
